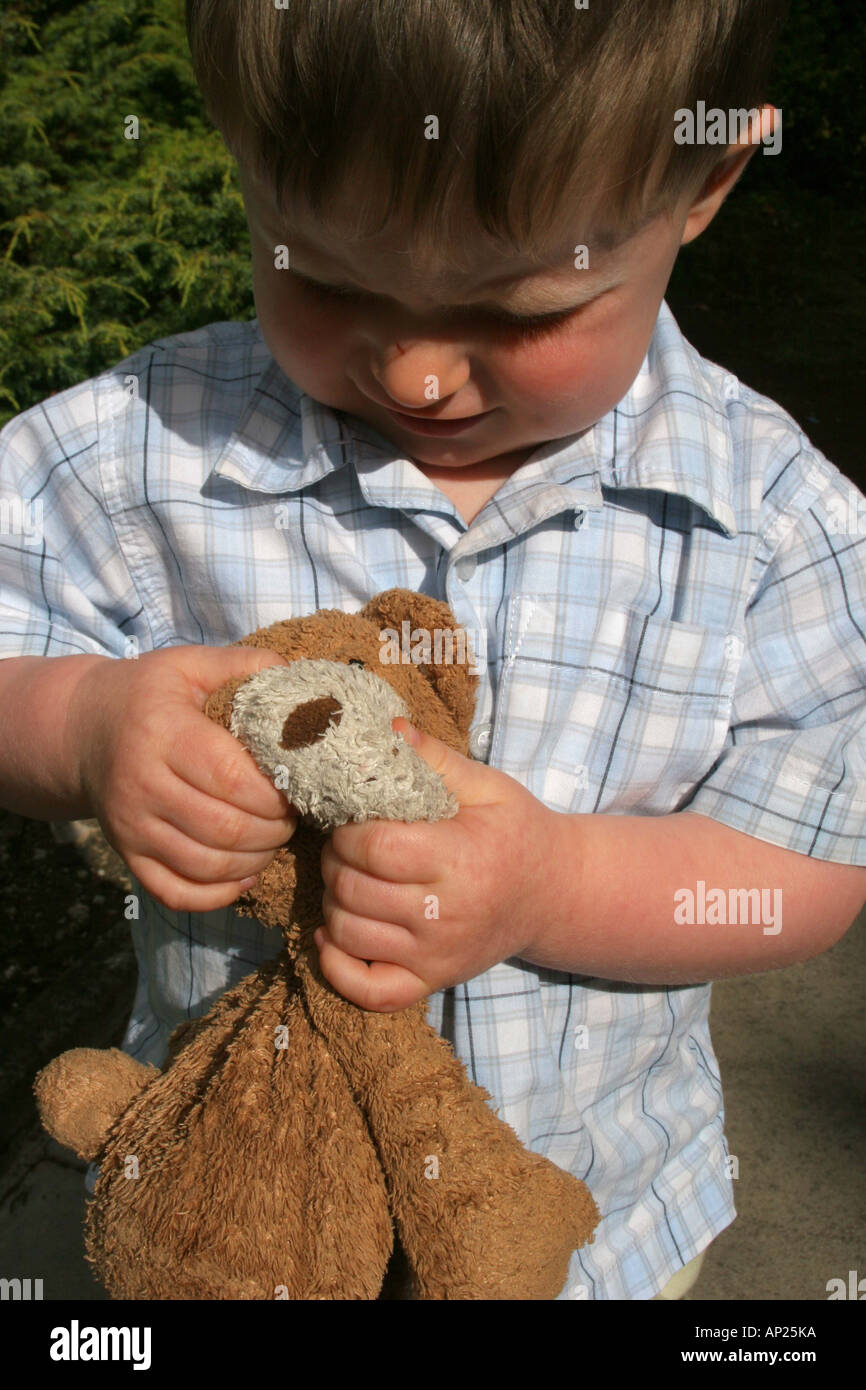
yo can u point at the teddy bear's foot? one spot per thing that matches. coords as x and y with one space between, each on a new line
504 1226
81 1093
244 1170
479 1215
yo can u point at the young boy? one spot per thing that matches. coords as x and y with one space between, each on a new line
463 379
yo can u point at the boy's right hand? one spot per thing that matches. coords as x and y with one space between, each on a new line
176 794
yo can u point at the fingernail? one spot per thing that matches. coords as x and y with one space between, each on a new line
411 734
248 882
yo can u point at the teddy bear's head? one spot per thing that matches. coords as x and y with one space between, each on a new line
320 726
434 675
322 731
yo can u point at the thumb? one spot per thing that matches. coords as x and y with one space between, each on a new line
208 668
471 782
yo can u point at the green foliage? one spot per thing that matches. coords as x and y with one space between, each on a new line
108 242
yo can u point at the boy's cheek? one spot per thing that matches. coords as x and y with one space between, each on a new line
548 370
556 383
306 348
589 371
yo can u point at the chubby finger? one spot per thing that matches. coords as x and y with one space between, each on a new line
194 861
366 938
397 851
374 898
212 761
379 986
180 894
218 824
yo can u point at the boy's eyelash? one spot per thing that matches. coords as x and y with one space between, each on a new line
543 323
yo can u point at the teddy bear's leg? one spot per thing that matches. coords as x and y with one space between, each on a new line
479 1215
246 1170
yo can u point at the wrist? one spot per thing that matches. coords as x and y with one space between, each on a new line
83 714
559 896
39 759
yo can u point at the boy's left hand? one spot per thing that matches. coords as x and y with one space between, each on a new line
413 908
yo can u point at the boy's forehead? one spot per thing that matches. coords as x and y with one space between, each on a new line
481 261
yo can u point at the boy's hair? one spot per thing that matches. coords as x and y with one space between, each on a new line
538 103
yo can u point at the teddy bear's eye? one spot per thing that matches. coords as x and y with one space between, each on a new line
355 661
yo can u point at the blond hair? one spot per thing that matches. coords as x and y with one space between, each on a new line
532 104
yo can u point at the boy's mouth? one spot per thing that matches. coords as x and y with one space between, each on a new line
424 425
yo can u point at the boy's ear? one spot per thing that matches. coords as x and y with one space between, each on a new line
715 191
724 177
453 680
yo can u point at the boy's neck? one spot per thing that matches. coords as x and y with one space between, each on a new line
472 485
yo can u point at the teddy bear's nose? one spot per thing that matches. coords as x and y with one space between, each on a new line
310 721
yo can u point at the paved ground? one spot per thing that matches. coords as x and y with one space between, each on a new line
791 1049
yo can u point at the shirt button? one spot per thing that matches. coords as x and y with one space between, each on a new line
479 740
578 520
466 567
733 647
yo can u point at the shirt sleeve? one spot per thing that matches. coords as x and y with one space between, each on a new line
65 589
793 769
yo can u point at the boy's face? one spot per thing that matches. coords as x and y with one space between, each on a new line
416 339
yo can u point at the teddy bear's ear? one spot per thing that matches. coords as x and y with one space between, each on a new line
452 676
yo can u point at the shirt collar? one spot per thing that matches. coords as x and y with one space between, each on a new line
669 432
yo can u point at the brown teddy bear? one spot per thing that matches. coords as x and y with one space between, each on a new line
290 1131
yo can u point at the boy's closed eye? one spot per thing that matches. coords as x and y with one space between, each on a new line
534 325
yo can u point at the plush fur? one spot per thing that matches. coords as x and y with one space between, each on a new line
291 1134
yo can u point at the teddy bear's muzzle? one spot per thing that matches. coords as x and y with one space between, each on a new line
322 730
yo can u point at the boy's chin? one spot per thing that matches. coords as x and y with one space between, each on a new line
487 461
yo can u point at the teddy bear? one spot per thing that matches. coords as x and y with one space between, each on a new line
295 1145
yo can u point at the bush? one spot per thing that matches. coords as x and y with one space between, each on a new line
108 241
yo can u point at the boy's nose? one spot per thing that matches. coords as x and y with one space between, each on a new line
417 373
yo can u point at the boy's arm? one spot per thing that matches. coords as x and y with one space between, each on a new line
618 906
613 904
39 767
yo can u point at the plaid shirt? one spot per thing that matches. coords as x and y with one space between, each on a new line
672 608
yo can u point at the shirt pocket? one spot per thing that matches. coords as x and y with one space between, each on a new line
610 709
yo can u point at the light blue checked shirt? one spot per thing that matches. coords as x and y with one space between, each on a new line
674 607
